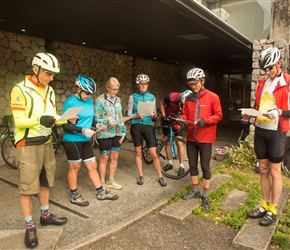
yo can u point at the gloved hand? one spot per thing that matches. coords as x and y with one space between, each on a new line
273 114
101 126
47 121
88 132
166 118
200 122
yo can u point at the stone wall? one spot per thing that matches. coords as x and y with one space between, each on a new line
263 44
18 50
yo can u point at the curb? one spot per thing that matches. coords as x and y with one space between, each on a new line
255 237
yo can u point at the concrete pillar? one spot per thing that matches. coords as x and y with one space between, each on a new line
280 20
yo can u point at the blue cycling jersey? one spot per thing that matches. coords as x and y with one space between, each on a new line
86 116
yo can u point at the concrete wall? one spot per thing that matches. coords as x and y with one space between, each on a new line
260 45
280 20
17 52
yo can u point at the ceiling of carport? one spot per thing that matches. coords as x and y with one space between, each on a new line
180 32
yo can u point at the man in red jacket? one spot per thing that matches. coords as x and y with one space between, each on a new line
202 107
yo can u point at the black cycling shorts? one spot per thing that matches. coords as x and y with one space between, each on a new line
142 131
269 144
108 144
77 151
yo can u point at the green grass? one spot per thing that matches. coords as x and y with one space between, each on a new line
239 165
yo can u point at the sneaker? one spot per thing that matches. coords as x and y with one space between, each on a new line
168 167
257 213
79 200
191 195
140 180
53 220
113 184
107 196
181 171
205 202
268 219
162 182
31 240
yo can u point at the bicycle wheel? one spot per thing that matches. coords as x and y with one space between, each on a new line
128 134
285 164
174 172
57 142
8 152
146 154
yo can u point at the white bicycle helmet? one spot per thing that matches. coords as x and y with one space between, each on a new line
142 77
195 74
86 84
269 57
46 61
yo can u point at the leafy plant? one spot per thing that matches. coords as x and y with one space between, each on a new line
240 166
243 156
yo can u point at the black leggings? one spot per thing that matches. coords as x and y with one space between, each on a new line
204 150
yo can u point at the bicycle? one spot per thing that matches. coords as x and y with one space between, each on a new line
160 148
128 137
57 134
285 164
7 138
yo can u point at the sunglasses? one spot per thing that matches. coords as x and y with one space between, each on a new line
87 93
268 68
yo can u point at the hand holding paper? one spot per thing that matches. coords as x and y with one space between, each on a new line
251 112
70 113
145 108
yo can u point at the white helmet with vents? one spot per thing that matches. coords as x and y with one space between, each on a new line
142 77
269 57
195 74
47 62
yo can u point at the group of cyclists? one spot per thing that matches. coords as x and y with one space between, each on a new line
34 111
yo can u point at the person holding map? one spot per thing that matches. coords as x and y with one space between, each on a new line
203 108
272 100
34 112
77 144
108 111
142 107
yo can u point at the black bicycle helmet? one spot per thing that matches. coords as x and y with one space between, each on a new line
86 84
269 57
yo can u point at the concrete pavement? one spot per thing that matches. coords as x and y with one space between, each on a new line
88 225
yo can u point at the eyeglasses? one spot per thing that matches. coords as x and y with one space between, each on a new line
143 84
193 83
48 73
87 93
114 89
268 68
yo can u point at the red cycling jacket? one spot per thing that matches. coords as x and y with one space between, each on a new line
281 95
207 106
